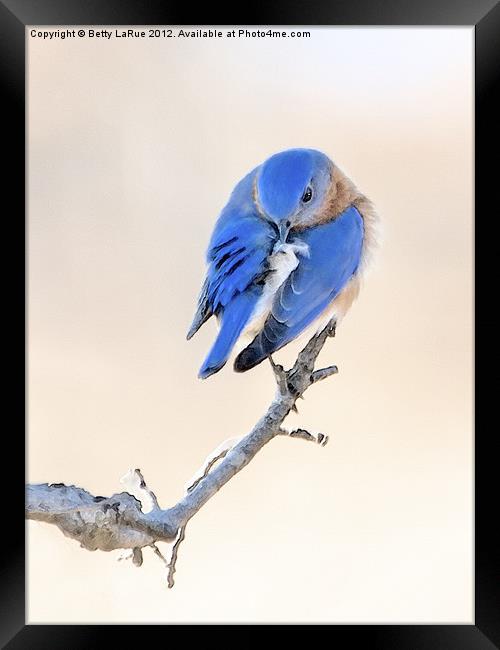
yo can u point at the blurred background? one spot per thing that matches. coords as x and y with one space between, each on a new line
134 148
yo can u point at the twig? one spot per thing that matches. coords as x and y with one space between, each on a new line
319 438
136 485
173 557
324 373
121 522
215 456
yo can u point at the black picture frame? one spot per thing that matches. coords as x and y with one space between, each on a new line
484 16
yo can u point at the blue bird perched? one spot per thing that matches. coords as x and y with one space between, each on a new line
287 252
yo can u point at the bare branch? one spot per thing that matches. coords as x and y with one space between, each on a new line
210 461
173 557
319 438
137 556
280 375
159 554
97 522
216 455
136 485
135 520
324 373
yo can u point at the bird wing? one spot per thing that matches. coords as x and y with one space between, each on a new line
237 253
237 265
334 252
237 258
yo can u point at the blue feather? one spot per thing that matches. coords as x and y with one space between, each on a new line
278 200
233 320
334 256
237 257
283 180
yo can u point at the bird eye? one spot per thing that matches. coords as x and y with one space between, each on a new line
307 196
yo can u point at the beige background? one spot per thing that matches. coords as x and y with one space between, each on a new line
134 147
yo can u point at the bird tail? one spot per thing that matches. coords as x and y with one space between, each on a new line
234 318
273 336
203 311
252 355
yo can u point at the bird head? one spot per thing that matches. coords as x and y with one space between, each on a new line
291 186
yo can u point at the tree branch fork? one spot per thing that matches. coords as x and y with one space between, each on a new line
133 519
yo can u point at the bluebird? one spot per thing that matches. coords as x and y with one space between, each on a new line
287 252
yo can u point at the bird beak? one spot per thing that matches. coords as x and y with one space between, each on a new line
284 230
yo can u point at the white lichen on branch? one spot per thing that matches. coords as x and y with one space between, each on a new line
135 520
